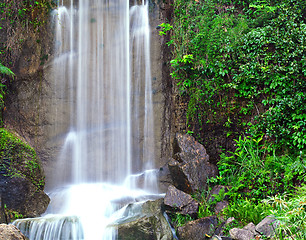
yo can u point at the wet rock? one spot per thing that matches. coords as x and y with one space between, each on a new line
267 226
148 223
164 178
10 232
190 165
178 201
241 234
198 229
22 196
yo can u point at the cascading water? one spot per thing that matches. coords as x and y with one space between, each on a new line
102 76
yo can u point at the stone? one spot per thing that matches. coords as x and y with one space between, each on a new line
198 229
148 223
220 206
190 166
22 196
250 227
10 232
267 226
241 234
181 202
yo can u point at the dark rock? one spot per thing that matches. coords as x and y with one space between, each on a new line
10 232
198 229
181 202
2 214
148 223
241 234
216 191
22 196
220 206
190 166
267 226
164 178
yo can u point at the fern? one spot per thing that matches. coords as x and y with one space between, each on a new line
6 71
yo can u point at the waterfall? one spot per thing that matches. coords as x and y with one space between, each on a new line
102 77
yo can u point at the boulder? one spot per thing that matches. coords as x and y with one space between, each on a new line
190 166
241 234
10 232
148 223
178 201
22 196
198 229
267 226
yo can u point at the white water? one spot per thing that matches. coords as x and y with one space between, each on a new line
103 78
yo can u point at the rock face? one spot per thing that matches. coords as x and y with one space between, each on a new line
22 196
190 165
198 229
148 224
181 202
10 232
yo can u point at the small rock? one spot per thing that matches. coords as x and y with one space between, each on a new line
179 201
250 227
10 232
220 206
267 226
197 229
241 234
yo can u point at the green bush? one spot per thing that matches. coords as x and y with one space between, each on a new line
254 170
237 58
290 211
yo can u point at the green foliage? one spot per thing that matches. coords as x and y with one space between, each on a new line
180 219
7 72
25 11
255 171
290 211
18 159
246 211
237 58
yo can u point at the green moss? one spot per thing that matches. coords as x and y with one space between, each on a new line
19 159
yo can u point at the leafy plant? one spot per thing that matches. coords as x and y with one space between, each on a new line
246 211
290 211
254 170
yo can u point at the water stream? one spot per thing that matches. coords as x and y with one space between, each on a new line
102 75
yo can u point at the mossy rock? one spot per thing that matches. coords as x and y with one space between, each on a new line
21 180
19 159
